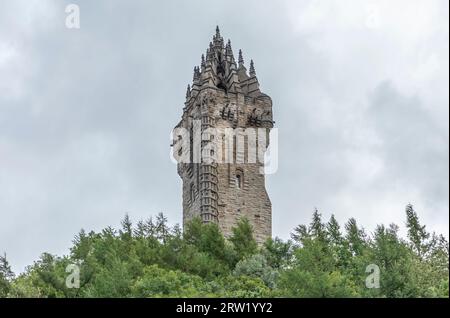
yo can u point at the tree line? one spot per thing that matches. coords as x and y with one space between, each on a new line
152 259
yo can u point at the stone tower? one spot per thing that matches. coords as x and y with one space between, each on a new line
226 118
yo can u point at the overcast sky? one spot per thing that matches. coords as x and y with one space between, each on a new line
360 97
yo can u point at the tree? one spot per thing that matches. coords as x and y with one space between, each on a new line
334 231
141 230
158 282
256 266
277 253
417 234
243 240
193 232
338 245
317 228
152 259
150 228
127 228
300 234
206 237
355 237
161 227
393 258
439 254
6 276
112 281
300 283
314 274
239 287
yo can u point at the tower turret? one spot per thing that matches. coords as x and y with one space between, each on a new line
225 184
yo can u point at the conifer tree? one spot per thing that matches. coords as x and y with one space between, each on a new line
161 227
6 276
334 231
417 234
355 237
127 227
317 228
242 238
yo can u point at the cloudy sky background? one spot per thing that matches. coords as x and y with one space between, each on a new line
360 91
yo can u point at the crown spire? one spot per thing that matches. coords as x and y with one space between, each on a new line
252 71
217 31
229 50
203 64
196 73
188 91
241 58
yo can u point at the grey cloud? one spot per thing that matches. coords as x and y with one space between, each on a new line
414 148
86 139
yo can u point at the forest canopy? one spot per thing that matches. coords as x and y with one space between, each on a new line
322 259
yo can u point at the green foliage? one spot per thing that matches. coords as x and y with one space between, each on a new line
256 266
158 282
243 240
356 237
241 287
417 234
6 276
207 238
151 259
301 283
277 253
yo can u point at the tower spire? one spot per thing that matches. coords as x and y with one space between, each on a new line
196 73
252 71
203 64
188 91
217 31
229 50
241 58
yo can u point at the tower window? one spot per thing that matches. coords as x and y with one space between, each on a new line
239 181
239 178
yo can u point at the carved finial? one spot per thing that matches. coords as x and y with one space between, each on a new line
217 32
196 73
241 59
252 69
188 91
203 61
229 51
